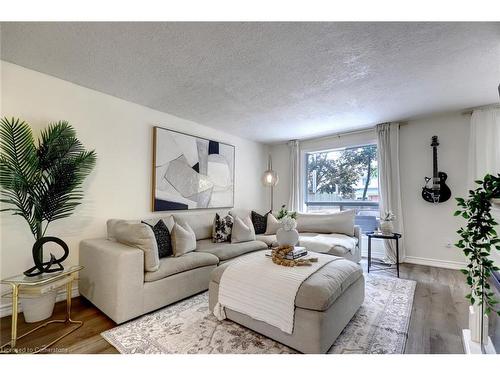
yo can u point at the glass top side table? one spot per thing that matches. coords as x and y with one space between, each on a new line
22 283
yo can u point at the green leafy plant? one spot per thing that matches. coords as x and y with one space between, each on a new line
42 182
478 238
283 212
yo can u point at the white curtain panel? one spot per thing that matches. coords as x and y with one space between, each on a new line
484 152
294 199
484 144
389 184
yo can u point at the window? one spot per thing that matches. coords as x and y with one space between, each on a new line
342 179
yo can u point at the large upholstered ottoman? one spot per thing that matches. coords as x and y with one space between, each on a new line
324 304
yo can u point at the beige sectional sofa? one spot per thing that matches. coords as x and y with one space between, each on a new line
126 280
115 279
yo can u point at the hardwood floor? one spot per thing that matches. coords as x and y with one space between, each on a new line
438 316
86 339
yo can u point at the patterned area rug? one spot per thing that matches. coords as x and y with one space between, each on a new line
380 326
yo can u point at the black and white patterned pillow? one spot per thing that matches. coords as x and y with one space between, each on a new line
259 222
163 239
222 228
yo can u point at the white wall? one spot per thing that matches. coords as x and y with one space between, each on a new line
121 134
428 227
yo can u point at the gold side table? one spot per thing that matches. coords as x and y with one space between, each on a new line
24 284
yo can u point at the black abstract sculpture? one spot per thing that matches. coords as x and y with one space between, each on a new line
47 267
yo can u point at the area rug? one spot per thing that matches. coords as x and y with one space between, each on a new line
379 327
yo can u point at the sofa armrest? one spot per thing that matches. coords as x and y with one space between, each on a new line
112 278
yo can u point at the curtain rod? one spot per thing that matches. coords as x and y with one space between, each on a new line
467 111
470 110
340 134
463 112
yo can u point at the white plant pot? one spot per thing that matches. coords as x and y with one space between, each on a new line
38 307
386 227
287 237
475 324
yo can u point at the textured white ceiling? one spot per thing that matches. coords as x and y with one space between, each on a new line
271 81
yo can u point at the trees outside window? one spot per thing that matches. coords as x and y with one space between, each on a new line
349 174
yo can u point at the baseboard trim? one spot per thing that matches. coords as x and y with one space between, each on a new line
435 262
6 308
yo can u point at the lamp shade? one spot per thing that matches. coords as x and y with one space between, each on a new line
269 177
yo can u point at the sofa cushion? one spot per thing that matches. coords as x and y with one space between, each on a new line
225 251
202 223
242 230
322 288
162 236
272 225
173 265
268 239
183 239
259 222
110 224
222 228
136 235
340 222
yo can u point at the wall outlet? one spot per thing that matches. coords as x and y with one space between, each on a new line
449 244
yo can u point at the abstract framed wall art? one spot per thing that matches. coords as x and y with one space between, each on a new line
191 172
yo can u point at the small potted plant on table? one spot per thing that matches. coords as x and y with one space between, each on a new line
287 235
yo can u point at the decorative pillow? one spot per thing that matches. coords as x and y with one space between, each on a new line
242 230
340 222
200 222
259 222
137 235
222 227
163 239
183 239
272 224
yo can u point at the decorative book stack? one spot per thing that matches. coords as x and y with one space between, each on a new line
298 252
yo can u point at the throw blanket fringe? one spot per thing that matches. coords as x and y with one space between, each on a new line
253 285
219 312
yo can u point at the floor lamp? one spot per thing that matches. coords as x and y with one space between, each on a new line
270 178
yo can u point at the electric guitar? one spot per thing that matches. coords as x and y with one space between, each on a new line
438 191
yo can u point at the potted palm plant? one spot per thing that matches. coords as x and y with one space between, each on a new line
41 182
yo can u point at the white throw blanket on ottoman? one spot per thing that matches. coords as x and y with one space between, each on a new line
323 243
255 286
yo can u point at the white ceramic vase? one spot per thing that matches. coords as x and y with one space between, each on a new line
287 237
386 227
